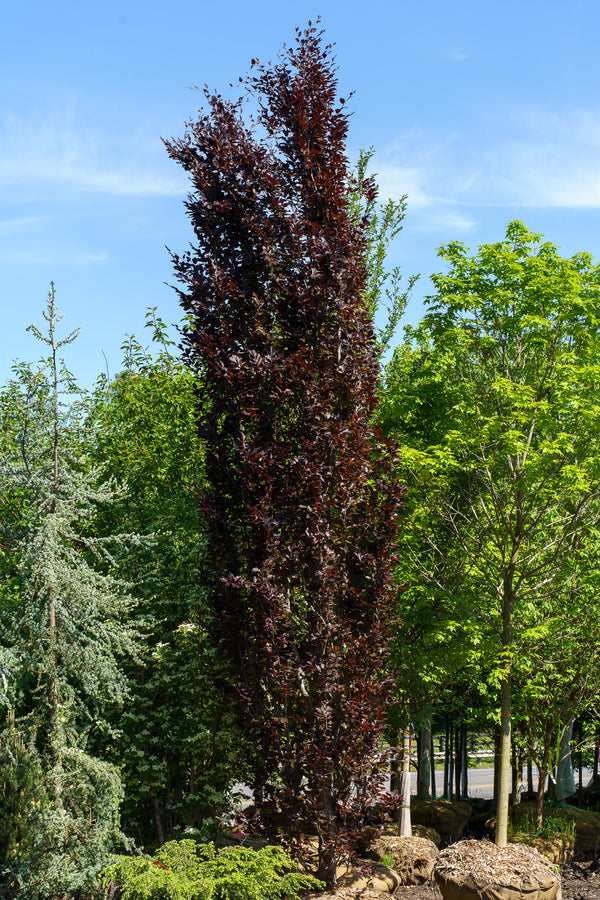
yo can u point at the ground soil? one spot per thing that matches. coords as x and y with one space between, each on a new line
580 881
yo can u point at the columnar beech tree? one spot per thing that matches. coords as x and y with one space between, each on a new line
302 504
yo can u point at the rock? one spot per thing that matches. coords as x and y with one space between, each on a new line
413 858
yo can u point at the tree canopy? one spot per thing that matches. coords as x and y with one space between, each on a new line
496 395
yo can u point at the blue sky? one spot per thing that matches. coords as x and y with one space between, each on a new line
481 112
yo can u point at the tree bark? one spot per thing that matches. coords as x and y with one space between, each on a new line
539 800
458 760
530 787
158 821
425 759
580 756
450 744
433 788
446 758
508 607
565 780
496 766
465 764
404 826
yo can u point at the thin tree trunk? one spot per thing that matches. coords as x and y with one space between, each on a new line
580 756
505 764
458 760
446 758
394 779
565 781
425 759
530 787
465 764
327 870
404 827
433 789
539 800
508 606
515 776
451 740
158 821
496 766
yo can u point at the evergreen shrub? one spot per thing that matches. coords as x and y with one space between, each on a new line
185 869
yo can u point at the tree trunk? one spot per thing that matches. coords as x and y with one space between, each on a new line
505 763
465 764
580 756
565 780
433 789
425 760
530 787
539 800
508 607
404 826
451 741
158 821
458 760
327 870
394 779
515 776
446 758
496 766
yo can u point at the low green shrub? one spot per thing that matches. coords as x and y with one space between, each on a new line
554 825
185 870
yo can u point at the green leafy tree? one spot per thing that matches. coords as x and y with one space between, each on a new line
380 223
178 749
556 676
497 392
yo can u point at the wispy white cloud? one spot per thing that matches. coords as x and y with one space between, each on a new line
444 219
533 158
60 150
553 160
61 257
22 223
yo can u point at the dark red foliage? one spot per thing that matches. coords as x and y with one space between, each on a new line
303 503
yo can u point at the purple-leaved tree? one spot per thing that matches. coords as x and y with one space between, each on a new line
303 501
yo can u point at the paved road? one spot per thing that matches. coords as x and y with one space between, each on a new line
481 783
